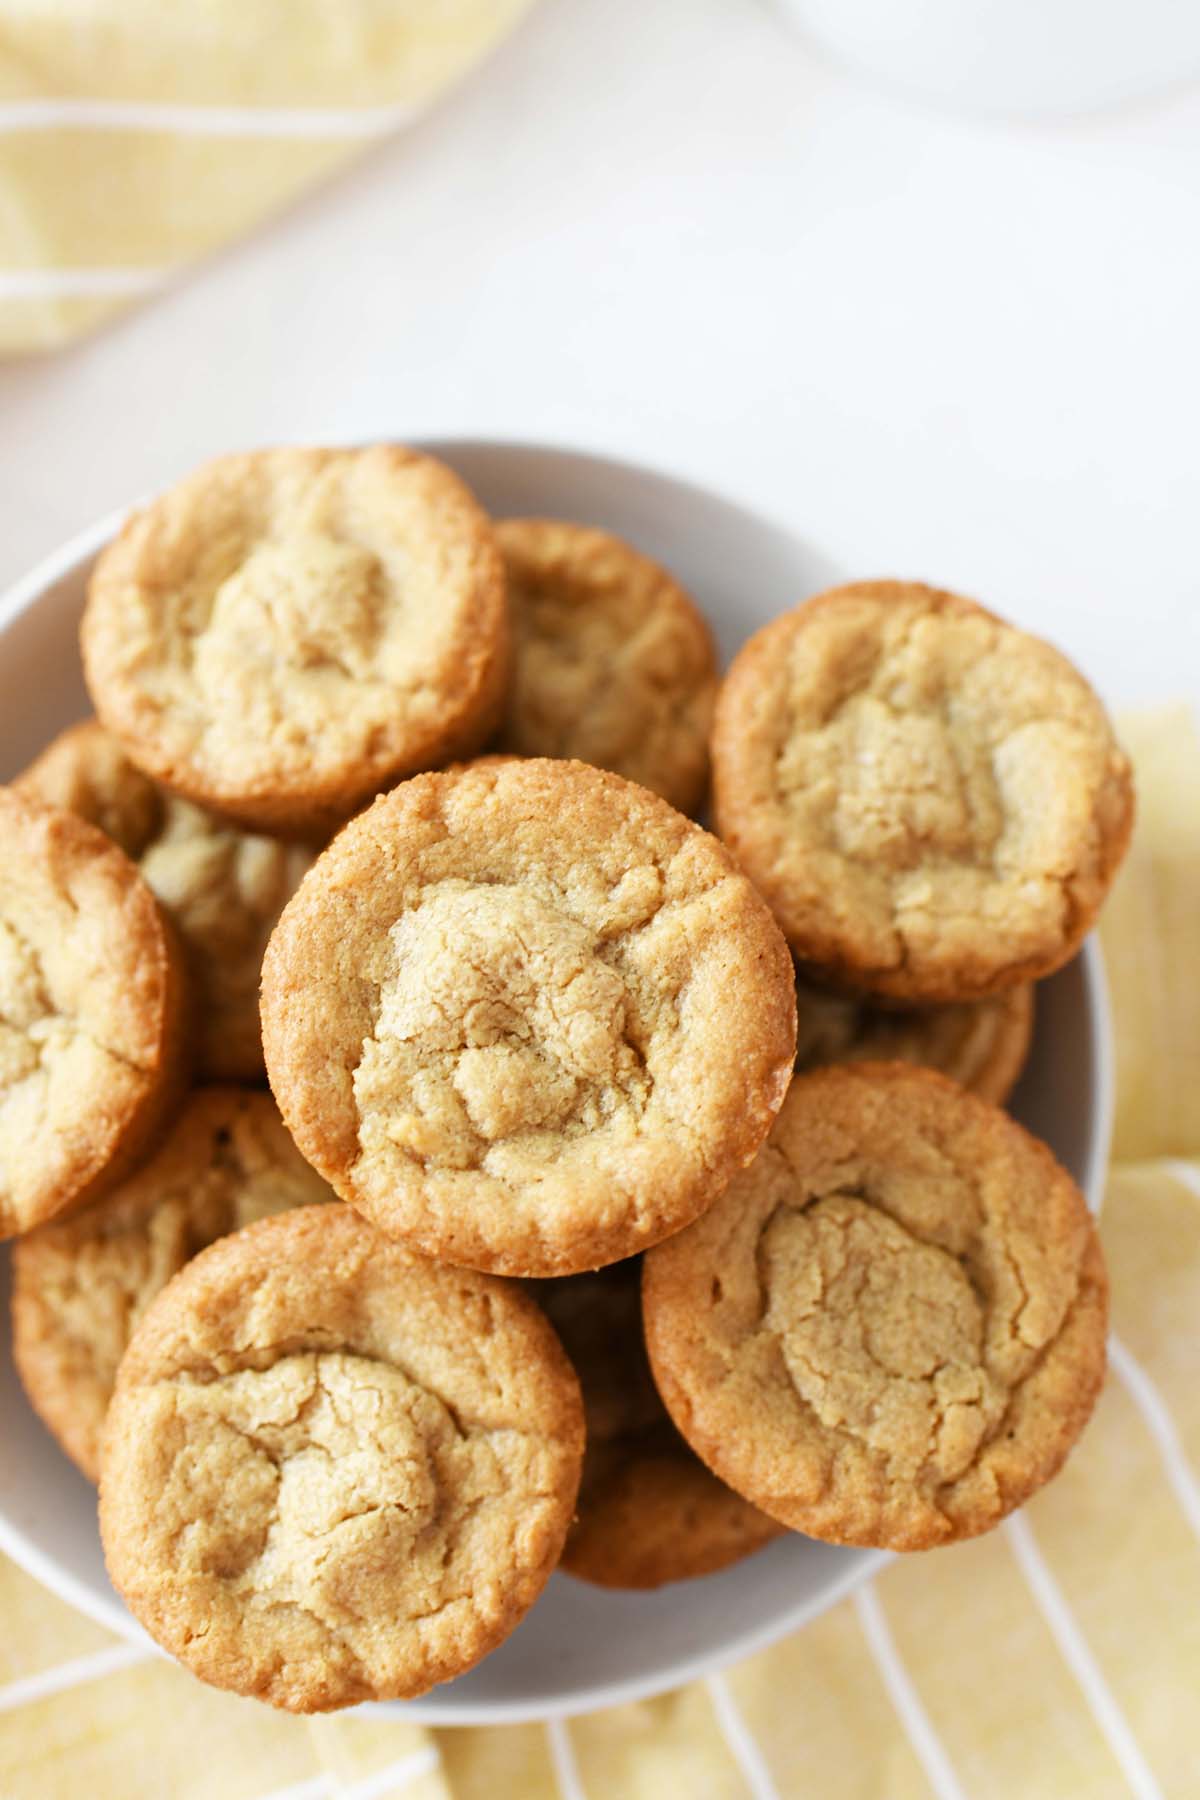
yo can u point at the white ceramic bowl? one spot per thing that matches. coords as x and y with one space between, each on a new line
1024 57
580 1648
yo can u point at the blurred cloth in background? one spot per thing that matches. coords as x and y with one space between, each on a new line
137 135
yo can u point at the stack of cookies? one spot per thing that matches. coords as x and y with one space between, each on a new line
625 1194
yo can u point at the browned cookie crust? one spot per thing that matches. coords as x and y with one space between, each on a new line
91 1013
527 1017
334 1471
890 1330
80 1285
288 631
932 802
649 1511
222 888
614 665
982 1044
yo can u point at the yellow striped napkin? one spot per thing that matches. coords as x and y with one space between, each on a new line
136 135
1059 1657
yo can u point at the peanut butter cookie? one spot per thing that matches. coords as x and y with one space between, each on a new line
334 1471
91 1004
982 1044
80 1285
649 1511
890 1330
223 888
614 665
932 802
525 1016
288 631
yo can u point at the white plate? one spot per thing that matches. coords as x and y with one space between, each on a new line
580 1647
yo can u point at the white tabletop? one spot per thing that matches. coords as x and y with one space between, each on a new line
954 350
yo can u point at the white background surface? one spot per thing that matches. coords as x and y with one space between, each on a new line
955 350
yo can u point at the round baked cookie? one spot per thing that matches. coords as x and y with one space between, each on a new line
222 888
932 802
890 1330
334 1471
982 1044
527 1017
91 1012
649 1511
81 1284
613 663
288 631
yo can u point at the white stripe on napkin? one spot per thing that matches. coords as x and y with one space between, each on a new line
1079 1659
49 114
927 1746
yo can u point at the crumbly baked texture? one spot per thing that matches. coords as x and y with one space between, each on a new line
334 1471
81 1284
91 1012
614 664
649 1511
288 631
223 888
932 802
890 1330
982 1044
527 1017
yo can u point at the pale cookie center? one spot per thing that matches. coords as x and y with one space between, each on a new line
309 602
225 889
26 1012
307 1472
496 1017
908 741
898 791
882 1335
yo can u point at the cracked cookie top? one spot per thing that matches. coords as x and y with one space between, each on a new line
334 1471
222 887
932 802
613 664
982 1044
81 1284
890 1329
649 1511
287 631
526 1016
90 1011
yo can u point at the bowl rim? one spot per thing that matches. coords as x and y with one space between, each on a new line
70 559
88 540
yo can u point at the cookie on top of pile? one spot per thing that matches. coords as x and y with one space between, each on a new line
666 1202
932 802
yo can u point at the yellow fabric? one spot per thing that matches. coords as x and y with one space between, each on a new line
136 136
1009 1712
